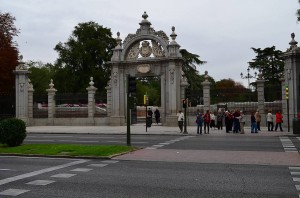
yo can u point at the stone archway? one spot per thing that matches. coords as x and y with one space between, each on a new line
146 53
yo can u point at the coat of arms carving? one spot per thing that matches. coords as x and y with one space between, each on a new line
145 49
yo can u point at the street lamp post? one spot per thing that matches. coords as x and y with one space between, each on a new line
248 76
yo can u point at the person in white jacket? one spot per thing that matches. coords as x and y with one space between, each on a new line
242 119
270 121
180 119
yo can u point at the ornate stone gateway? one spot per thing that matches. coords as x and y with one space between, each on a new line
143 54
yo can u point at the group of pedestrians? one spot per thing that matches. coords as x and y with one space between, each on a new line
235 121
149 117
207 121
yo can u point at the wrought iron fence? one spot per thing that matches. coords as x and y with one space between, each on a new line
7 107
69 105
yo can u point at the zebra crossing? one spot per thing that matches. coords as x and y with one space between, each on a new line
288 145
156 146
44 182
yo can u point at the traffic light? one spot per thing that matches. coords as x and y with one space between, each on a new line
286 92
187 93
184 104
131 84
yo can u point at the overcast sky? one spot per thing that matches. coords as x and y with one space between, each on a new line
221 32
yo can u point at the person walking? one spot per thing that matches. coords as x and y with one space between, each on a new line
199 121
157 116
270 121
278 120
236 122
180 118
242 120
149 117
228 121
206 119
258 119
212 120
220 117
253 123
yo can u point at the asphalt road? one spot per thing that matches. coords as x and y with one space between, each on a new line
169 166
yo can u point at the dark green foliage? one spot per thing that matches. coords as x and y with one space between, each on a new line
12 132
84 55
298 13
189 67
40 76
270 62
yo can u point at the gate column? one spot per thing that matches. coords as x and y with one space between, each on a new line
261 97
21 91
206 92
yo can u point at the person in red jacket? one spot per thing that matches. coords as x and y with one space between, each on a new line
278 121
206 120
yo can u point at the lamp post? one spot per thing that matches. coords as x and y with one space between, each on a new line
248 76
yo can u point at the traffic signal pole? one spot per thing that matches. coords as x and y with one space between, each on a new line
131 90
128 121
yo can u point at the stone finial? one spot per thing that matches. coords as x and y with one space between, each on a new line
145 16
293 43
21 65
206 76
30 86
118 39
51 85
91 81
173 35
260 74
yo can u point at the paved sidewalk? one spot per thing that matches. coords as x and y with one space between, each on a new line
197 156
141 129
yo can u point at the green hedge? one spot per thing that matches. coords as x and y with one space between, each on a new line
12 132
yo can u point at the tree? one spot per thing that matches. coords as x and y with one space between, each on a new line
40 76
8 52
270 62
189 67
84 55
227 90
298 13
190 61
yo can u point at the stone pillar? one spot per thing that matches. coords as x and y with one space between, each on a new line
260 83
108 98
283 101
51 100
173 80
21 91
30 99
292 79
206 92
91 98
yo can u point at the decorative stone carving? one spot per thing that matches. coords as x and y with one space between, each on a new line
134 51
150 31
21 65
128 38
145 49
157 49
293 44
172 73
115 77
144 68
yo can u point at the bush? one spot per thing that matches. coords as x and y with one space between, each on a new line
12 132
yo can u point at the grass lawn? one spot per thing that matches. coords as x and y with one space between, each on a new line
66 150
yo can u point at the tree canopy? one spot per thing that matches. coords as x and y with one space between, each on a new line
84 55
8 52
270 62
